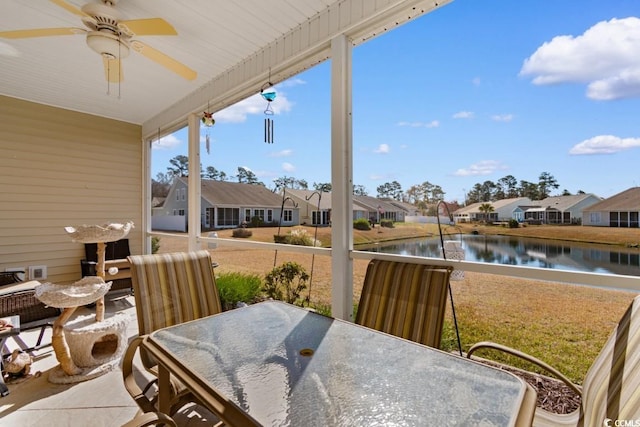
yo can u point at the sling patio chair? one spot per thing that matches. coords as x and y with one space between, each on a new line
168 289
611 388
151 419
405 299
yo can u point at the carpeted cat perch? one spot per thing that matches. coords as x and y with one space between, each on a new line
94 345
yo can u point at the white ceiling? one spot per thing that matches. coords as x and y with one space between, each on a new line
231 44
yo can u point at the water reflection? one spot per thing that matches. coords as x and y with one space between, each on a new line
526 252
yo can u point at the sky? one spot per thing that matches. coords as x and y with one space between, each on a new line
472 92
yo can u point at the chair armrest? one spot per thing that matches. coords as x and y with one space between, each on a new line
528 358
151 419
130 383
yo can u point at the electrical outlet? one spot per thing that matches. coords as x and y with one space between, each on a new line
37 272
20 270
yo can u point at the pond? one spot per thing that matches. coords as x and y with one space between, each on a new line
523 251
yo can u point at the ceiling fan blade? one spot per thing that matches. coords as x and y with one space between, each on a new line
113 70
40 32
164 60
69 7
149 27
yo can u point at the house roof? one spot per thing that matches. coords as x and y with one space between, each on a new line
230 49
407 207
311 197
628 200
234 194
562 203
498 204
373 204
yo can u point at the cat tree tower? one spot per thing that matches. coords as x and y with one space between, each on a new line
87 346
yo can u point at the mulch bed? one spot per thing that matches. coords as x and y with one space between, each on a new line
553 395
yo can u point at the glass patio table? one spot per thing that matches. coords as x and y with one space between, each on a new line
273 363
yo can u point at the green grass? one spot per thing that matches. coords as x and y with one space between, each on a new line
238 287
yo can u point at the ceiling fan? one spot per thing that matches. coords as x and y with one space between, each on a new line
112 37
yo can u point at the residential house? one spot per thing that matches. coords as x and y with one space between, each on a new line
314 207
619 210
379 209
408 208
503 210
559 209
225 205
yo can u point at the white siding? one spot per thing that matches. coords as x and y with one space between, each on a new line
63 168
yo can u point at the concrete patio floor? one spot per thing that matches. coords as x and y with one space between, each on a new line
102 401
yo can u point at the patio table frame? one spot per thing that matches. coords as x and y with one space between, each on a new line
182 357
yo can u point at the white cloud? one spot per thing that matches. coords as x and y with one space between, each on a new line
464 115
382 149
606 57
168 142
381 177
431 124
502 117
288 167
604 144
255 104
293 81
281 153
484 167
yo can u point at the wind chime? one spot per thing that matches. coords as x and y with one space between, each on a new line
208 121
268 94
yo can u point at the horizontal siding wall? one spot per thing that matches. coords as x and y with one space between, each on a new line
62 168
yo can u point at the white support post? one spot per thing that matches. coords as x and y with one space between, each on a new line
194 193
146 195
341 179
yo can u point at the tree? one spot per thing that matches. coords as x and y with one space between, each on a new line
487 191
486 209
246 176
474 194
508 188
546 182
359 190
290 182
322 186
416 194
437 194
392 190
215 174
180 166
529 189
161 185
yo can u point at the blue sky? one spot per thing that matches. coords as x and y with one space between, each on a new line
471 92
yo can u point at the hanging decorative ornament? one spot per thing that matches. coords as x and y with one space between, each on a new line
268 94
208 121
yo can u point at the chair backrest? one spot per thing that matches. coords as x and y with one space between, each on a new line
405 299
173 288
611 387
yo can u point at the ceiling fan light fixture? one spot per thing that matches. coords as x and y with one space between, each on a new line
107 45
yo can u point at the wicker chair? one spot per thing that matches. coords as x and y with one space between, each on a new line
19 299
405 299
169 289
